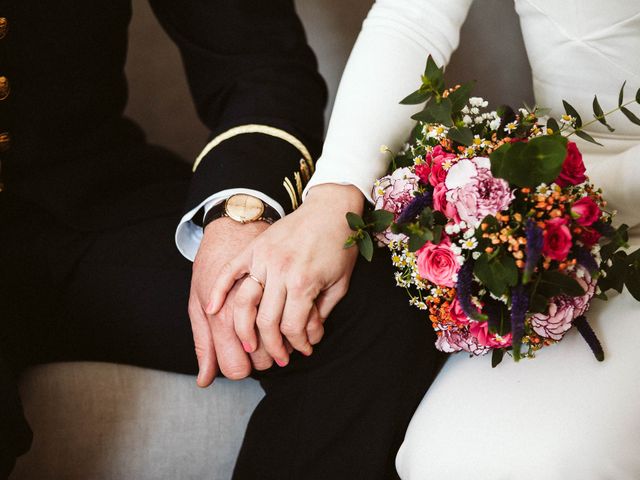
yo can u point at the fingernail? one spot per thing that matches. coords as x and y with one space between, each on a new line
247 347
282 363
308 352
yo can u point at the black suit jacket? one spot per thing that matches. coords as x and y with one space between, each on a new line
73 152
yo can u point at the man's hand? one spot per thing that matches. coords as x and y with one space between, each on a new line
305 270
216 341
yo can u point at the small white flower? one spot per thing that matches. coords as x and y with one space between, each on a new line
470 243
448 229
494 124
567 119
478 120
467 120
511 126
477 102
456 249
476 255
465 109
474 110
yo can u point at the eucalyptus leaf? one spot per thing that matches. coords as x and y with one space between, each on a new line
462 135
632 282
638 96
538 304
355 221
585 136
555 283
530 164
434 74
598 113
380 220
570 110
553 125
497 354
460 97
417 241
630 115
416 98
365 245
436 113
351 241
497 273
621 94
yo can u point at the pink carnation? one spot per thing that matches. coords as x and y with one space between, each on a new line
462 340
438 263
392 193
475 192
563 310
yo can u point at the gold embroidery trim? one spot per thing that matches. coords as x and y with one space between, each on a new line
255 128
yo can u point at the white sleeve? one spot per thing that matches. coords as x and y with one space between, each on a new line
385 66
189 235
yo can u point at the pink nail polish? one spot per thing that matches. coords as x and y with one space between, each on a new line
281 363
247 347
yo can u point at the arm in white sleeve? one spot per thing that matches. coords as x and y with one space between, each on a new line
385 65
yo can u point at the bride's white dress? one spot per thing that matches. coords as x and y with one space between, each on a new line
563 415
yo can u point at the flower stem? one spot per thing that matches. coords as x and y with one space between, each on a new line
601 117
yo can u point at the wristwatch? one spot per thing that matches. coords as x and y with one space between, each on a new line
242 208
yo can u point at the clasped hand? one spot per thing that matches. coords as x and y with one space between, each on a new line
305 271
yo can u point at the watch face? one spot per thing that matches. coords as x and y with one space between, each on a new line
244 208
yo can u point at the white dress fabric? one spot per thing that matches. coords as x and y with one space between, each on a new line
562 415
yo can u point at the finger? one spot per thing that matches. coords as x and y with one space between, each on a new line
315 327
233 360
268 320
330 297
297 310
229 274
203 340
260 359
245 310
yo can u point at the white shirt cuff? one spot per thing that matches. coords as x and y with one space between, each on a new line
189 235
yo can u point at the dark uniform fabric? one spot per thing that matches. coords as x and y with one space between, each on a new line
88 211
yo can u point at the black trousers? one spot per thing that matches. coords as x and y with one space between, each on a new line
120 295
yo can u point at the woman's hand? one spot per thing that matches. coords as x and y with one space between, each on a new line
305 271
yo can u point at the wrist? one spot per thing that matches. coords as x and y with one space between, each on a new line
227 226
347 198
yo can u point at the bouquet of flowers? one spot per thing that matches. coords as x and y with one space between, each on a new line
493 226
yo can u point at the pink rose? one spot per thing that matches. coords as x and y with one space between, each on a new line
475 192
435 160
423 171
586 211
557 239
440 202
457 313
589 237
573 169
438 263
481 331
563 310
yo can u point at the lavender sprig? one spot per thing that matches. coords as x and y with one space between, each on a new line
590 337
535 242
464 292
415 208
519 307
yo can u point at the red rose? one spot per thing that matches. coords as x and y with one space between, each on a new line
573 169
586 211
422 171
557 239
589 237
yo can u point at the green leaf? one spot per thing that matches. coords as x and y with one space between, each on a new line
553 125
530 164
570 110
585 136
497 354
380 220
497 273
621 94
365 245
436 113
350 242
460 97
416 98
538 304
599 114
630 115
462 135
434 74
632 282
638 96
355 221
555 283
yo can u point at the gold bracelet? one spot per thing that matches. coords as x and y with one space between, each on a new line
254 128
